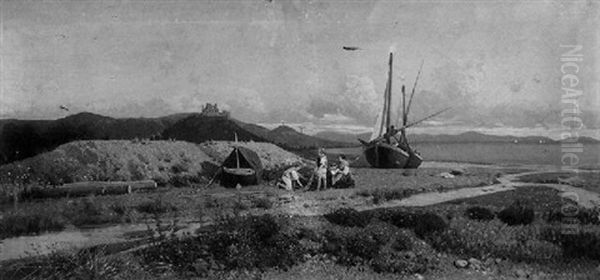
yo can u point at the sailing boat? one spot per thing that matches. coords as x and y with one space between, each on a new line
384 149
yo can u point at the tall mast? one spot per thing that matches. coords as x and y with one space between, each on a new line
389 94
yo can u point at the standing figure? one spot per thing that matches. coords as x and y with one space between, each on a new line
321 172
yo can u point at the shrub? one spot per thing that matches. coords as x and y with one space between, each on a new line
429 223
517 214
16 224
480 213
348 217
401 219
157 206
582 244
422 223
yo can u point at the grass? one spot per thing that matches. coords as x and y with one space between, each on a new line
17 224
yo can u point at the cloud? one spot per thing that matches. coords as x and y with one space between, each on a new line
358 101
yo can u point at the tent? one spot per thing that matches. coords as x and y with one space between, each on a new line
242 166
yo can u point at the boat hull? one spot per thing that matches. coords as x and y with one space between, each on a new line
383 155
243 176
414 160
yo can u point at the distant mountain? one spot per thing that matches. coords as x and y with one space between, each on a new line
342 137
198 129
467 137
289 137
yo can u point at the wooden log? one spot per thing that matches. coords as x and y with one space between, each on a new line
89 188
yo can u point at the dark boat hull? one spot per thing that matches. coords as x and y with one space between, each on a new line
383 155
230 177
414 160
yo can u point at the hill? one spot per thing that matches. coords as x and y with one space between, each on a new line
198 129
21 139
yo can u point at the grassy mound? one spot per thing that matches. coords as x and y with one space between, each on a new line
271 156
114 160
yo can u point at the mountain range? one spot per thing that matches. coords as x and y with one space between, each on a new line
21 139
466 137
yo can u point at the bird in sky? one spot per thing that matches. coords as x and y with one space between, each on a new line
63 107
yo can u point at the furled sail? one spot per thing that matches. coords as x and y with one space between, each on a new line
383 119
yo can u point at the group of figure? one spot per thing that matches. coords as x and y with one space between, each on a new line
338 173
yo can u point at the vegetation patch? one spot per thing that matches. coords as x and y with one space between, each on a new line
17 224
381 195
480 213
517 214
256 242
348 217
583 215
380 245
485 239
157 206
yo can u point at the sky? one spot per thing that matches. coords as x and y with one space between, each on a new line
495 63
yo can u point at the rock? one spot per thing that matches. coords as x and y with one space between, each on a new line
457 171
461 263
419 276
475 263
446 175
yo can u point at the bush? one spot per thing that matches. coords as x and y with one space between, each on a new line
480 213
401 219
429 223
348 217
17 224
517 214
582 244
422 223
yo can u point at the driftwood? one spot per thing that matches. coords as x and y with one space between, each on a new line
88 188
